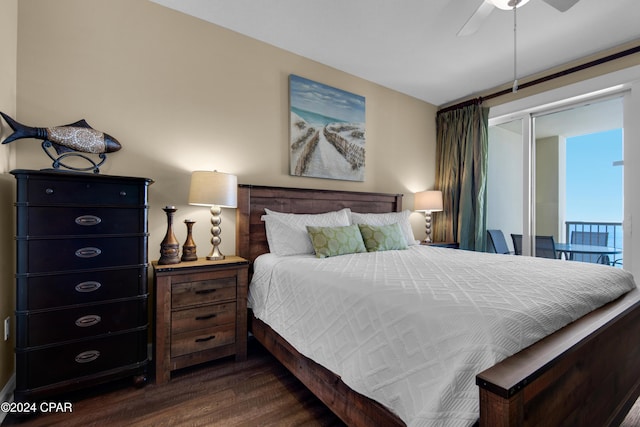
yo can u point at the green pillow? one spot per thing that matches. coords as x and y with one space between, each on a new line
383 237
331 241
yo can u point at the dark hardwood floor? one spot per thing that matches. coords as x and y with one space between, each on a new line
257 392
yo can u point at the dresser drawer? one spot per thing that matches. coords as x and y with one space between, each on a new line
202 317
202 339
204 291
69 221
49 255
71 361
91 191
56 290
52 326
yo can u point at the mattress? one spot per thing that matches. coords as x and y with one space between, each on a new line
412 328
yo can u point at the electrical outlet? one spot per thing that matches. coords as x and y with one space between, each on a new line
6 328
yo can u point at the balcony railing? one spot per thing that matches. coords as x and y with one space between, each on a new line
613 230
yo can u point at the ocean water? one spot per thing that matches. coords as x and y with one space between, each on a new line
315 118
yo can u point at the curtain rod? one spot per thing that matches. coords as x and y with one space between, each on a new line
544 79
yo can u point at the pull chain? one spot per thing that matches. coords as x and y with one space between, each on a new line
515 74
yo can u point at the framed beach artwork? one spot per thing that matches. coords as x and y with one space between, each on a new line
327 137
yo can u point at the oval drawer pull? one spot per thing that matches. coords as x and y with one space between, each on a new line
88 320
88 220
205 291
49 191
209 338
208 316
88 252
87 356
88 286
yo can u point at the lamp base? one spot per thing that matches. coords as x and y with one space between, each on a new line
215 254
427 219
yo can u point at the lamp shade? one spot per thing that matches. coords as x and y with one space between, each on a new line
428 201
212 188
508 4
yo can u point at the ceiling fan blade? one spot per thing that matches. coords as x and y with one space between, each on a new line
561 5
475 21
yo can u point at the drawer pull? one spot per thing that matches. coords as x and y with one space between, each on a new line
123 193
49 191
88 220
205 291
209 338
88 286
88 320
87 356
208 316
88 252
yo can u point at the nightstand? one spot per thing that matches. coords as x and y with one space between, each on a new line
200 313
452 245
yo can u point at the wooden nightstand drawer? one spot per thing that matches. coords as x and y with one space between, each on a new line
203 317
203 292
202 339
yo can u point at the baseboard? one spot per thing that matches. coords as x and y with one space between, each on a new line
6 395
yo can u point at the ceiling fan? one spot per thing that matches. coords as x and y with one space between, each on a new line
487 6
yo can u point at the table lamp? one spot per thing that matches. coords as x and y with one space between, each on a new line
427 202
218 190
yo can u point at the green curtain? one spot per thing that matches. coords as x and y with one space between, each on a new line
461 175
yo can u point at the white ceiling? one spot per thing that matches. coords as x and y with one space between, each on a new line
411 46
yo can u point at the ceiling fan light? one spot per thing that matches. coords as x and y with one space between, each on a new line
508 4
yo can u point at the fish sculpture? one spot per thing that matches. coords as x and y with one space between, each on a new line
78 136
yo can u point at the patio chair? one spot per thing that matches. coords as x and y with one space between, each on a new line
497 242
517 243
595 238
545 246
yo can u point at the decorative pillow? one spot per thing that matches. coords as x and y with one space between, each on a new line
383 237
332 241
287 232
402 218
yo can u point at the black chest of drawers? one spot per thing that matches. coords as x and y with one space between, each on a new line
81 277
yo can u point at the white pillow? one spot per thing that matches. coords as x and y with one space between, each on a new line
287 232
402 218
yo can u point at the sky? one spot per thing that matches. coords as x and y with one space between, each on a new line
594 185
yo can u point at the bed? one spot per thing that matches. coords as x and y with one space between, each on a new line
583 374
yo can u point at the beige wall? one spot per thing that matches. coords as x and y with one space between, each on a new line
181 95
8 35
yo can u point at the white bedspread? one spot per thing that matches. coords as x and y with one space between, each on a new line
411 329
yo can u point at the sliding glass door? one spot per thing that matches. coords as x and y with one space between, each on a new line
559 173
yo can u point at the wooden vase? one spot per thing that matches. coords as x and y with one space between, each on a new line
189 247
170 246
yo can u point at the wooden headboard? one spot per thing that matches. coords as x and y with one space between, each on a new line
251 238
